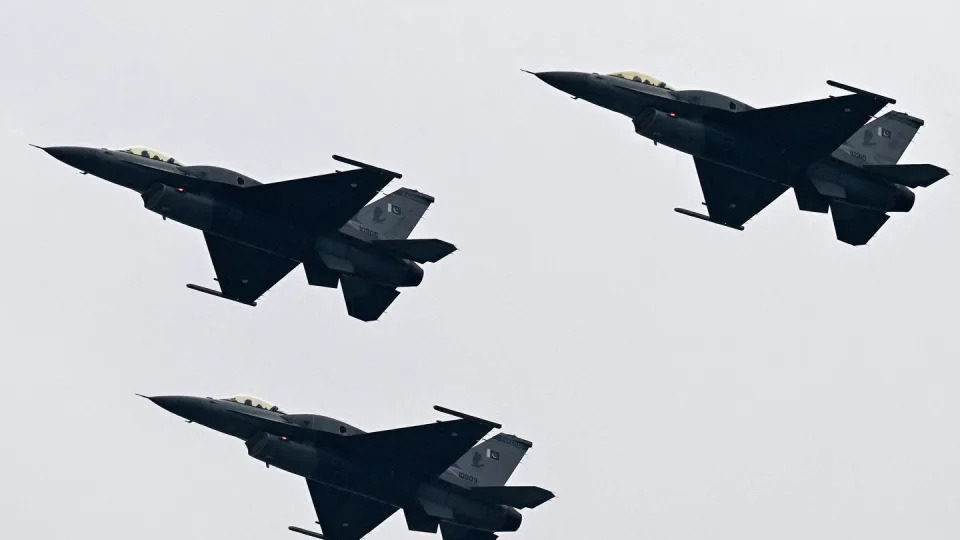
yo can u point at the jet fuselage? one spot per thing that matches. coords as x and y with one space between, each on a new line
675 119
267 440
195 196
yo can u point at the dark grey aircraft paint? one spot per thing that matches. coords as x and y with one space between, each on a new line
436 473
828 150
257 233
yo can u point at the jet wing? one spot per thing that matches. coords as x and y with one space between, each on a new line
244 272
733 197
318 203
856 225
425 450
809 130
345 516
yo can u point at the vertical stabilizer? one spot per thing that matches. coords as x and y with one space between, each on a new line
881 141
391 218
490 463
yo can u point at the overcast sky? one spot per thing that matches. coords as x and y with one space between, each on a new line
680 381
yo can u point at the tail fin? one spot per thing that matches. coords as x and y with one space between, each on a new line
490 463
881 141
390 218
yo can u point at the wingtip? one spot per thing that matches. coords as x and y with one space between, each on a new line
527 71
306 532
860 91
464 416
35 146
363 165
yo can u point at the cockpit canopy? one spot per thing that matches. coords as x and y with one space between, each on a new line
254 402
152 154
642 78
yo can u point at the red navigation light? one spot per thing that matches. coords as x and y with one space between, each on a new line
283 437
180 189
672 115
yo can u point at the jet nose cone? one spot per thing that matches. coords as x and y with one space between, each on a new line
185 406
75 156
571 82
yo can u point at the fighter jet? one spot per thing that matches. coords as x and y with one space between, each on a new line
829 150
436 473
257 233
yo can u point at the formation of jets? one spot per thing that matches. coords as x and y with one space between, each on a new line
835 153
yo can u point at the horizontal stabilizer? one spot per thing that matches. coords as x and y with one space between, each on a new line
421 251
920 175
856 225
515 496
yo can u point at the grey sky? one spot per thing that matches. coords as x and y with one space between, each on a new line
679 380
